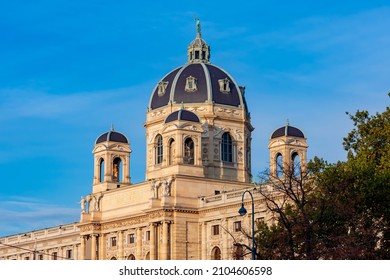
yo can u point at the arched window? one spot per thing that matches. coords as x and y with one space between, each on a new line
189 151
101 170
159 149
279 165
131 257
227 148
113 259
172 152
117 170
216 253
296 164
248 153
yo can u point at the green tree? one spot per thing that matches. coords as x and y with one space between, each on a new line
334 211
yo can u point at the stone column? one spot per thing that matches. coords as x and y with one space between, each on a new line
165 241
139 244
75 252
204 241
45 254
120 246
152 241
225 244
60 256
93 247
82 248
102 246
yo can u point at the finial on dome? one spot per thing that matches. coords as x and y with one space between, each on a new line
112 127
198 51
286 128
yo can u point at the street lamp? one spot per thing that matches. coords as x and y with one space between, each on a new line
242 212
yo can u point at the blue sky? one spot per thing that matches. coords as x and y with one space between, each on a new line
70 69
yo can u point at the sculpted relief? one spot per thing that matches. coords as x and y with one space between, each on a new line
160 187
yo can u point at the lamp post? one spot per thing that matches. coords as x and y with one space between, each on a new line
242 212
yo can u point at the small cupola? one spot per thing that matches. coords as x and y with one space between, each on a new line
111 161
198 50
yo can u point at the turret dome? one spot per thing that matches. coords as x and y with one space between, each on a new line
112 136
287 130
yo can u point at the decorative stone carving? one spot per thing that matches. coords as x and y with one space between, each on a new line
96 201
194 109
240 154
190 127
205 128
166 184
88 198
83 203
238 133
100 148
154 189
229 111
126 223
191 84
158 113
162 87
224 85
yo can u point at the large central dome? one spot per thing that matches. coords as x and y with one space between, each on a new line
198 81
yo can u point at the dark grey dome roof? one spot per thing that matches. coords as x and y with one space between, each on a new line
287 130
112 136
182 115
198 81
208 89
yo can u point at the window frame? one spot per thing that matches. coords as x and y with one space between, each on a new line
227 147
159 149
215 230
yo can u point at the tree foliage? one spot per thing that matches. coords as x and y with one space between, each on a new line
333 211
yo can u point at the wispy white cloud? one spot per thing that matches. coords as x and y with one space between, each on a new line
25 214
20 103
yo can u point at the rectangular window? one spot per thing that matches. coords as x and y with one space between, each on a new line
237 226
54 255
113 241
69 254
147 235
26 258
260 220
131 238
40 257
215 229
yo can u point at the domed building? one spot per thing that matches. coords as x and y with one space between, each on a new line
198 169
219 142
